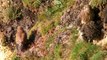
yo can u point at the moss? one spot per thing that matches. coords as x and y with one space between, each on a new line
57 52
9 11
16 58
98 56
86 51
49 41
14 13
26 3
31 3
46 26
36 3
96 3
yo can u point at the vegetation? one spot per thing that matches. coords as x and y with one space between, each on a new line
14 13
9 11
31 3
87 51
96 3
15 58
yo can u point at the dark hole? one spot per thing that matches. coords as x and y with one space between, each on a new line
105 29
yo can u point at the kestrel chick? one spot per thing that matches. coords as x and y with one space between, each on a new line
86 15
20 38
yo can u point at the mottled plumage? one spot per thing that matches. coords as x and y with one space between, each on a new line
90 31
20 38
86 14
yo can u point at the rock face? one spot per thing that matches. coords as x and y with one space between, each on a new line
70 16
103 15
82 19
86 19
91 27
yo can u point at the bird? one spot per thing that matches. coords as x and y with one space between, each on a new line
86 14
20 39
90 31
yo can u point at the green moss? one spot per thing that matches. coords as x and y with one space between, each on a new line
98 56
36 3
85 51
11 12
49 41
96 3
14 13
59 6
46 28
15 57
31 3
57 52
26 3
74 35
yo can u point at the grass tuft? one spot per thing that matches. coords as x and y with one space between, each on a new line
96 3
